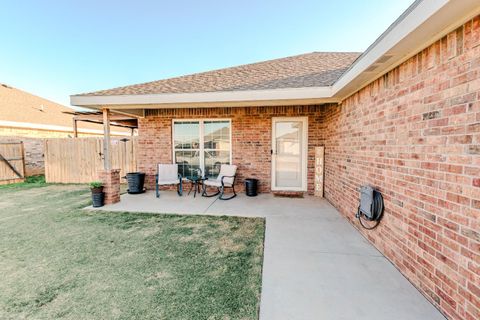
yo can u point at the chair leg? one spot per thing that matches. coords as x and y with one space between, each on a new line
180 189
205 194
156 189
228 198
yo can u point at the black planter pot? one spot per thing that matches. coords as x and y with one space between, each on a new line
135 180
98 199
251 187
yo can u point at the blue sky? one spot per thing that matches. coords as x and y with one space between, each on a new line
57 48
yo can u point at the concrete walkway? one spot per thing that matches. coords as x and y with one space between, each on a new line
316 265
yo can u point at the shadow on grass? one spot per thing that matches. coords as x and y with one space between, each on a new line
57 260
30 182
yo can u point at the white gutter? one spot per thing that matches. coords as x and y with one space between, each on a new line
423 23
205 97
48 127
408 21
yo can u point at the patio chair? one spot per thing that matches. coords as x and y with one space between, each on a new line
167 174
225 179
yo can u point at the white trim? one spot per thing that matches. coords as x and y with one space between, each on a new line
51 127
201 129
205 97
423 23
304 159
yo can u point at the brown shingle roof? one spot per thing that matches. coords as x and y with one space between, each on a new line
314 69
20 106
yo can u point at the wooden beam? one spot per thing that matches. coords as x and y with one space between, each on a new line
107 165
99 117
75 128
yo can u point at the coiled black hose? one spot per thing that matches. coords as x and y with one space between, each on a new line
377 212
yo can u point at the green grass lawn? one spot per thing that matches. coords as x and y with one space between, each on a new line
59 261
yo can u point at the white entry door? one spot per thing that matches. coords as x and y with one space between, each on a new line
289 153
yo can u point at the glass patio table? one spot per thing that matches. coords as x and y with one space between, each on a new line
196 183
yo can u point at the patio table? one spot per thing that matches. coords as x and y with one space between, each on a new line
196 182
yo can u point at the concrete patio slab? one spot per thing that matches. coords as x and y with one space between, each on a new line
316 265
168 202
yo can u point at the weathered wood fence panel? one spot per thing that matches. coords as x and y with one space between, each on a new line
79 160
12 162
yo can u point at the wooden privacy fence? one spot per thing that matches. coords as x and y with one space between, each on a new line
79 160
12 162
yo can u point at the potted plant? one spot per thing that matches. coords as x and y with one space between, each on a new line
98 196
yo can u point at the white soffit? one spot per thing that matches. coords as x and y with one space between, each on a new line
205 97
423 23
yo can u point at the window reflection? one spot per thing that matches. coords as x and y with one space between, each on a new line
193 151
187 135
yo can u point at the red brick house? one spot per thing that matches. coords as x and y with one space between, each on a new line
404 116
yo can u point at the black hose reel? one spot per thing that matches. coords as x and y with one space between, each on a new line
370 210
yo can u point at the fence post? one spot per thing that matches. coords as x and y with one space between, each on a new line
75 128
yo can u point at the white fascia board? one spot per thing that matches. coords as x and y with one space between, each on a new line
419 26
424 22
410 20
51 127
205 97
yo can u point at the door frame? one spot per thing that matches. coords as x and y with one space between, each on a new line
304 153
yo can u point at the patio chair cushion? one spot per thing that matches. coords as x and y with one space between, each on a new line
168 174
215 183
168 182
227 170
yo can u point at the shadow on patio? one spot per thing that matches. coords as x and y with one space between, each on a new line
316 265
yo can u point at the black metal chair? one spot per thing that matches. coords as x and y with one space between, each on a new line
167 174
225 179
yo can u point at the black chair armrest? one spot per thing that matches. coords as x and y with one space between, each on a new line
228 177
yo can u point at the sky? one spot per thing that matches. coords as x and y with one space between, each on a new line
57 48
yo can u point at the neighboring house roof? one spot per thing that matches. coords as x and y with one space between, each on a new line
22 109
311 78
314 69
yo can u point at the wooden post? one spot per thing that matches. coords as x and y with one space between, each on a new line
107 165
23 161
75 128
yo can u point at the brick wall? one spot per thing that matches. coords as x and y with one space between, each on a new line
111 185
415 135
251 138
34 156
